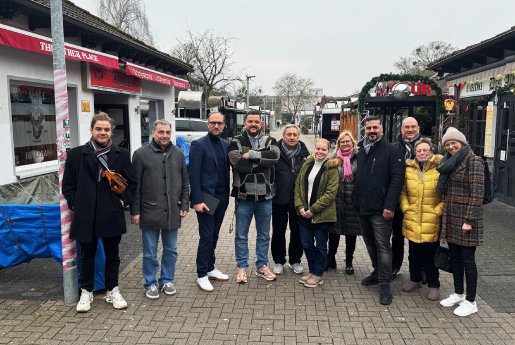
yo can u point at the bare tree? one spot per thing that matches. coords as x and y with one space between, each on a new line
211 57
422 56
294 92
128 16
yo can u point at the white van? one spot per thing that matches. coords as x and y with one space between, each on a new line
190 128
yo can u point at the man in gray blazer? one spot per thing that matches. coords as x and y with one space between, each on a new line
161 200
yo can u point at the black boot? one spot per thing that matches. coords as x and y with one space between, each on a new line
348 267
331 262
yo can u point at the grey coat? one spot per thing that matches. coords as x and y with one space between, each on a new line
347 217
162 186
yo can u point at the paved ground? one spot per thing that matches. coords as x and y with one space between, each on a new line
283 312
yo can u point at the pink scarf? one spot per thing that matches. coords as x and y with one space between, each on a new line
347 167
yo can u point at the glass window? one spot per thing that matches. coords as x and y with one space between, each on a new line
198 126
182 125
33 119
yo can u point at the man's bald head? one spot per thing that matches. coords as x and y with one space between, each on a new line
410 129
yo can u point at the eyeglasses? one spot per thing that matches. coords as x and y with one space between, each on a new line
216 123
345 141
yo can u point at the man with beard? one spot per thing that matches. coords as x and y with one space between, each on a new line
253 157
410 134
293 154
380 177
209 181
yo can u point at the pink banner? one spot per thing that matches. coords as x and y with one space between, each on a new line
24 40
161 78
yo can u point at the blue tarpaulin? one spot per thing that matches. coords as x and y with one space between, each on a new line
34 231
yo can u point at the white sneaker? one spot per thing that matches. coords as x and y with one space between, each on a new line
86 298
216 274
278 269
205 284
115 298
466 308
297 268
452 300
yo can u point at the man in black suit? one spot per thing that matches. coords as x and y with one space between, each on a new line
209 179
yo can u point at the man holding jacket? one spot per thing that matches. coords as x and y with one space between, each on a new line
380 177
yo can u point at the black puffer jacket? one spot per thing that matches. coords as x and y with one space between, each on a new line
347 217
286 172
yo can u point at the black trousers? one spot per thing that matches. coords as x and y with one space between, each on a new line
112 264
463 261
281 215
422 257
350 246
397 240
209 229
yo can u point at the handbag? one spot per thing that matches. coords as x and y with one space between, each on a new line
117 182
443 259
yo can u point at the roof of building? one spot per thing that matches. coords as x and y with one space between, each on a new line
488 51
94 30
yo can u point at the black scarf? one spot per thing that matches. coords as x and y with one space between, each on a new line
447 166
101 154
410 146
290 153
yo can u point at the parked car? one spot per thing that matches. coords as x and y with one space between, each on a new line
190 128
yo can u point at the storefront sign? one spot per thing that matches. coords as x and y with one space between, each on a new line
475 88
20 39
488 152
157 77
400 89
335 124
103 78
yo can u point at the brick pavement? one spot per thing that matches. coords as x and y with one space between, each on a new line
341 311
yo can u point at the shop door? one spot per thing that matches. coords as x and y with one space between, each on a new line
505 151
120 114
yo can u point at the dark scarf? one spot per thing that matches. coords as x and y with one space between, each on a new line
101 154
409 145
447 166
368 145
290 154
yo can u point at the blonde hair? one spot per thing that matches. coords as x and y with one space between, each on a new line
343 134
325 141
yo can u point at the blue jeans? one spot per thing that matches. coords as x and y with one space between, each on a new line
168 259
377 232
262 211
314 242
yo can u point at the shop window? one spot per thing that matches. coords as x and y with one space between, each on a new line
33 119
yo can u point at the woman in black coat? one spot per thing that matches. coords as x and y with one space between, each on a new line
98 212
347 218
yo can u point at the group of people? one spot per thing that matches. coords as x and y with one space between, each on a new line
380 190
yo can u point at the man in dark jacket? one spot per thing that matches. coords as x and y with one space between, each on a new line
380 177
293 154
253 157
160 202
209 179
410 134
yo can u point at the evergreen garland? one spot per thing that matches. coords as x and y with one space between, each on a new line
402 78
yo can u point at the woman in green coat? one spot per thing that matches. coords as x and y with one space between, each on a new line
315 192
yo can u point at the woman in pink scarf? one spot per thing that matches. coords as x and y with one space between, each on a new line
347 218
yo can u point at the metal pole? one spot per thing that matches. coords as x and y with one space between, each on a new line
248 78
62 124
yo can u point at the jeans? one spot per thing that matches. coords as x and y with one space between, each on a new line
350 246
168 259
314 242
112 263
422 257
377 231
209 229
397 239
280 218
262 211
463 259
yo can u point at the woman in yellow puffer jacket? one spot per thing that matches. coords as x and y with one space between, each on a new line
422 207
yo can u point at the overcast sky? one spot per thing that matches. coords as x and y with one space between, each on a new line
340 44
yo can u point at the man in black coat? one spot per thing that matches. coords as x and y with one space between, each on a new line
410 134
293 154
98 212
380 177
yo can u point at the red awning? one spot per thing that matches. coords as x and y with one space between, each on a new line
20 39
157 77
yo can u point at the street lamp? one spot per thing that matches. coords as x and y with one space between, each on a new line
248 78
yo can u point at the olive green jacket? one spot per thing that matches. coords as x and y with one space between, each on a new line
326 186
